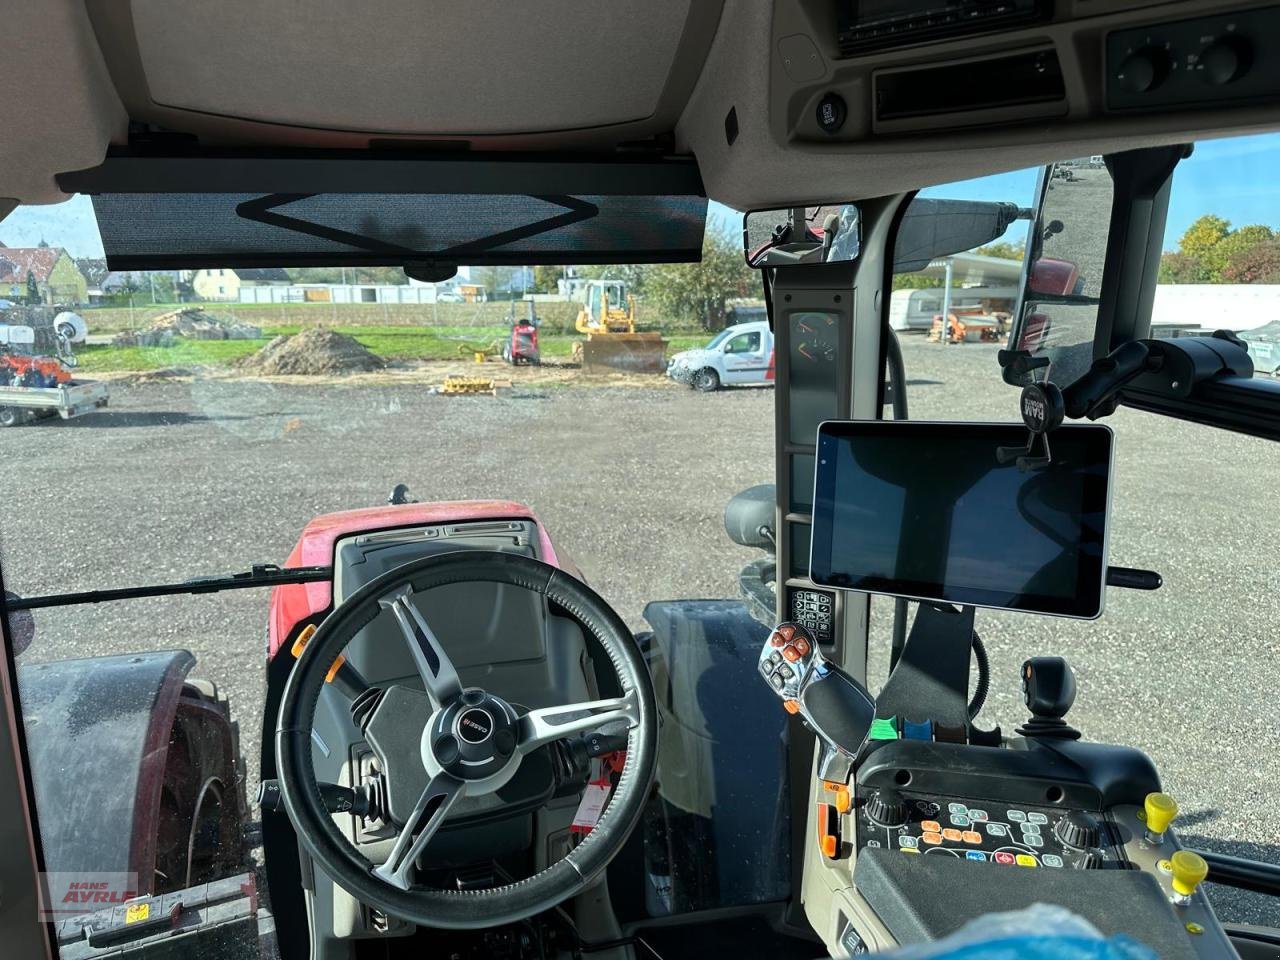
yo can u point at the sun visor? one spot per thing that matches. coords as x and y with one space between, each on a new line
428 215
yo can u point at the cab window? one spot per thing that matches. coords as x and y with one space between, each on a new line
746 343
1182 495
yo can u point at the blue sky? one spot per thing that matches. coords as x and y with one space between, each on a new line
1237 179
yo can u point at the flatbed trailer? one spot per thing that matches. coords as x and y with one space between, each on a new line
67 400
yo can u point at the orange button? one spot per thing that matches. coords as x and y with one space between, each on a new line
971 836
933 838
843 801
790 653
791 706
777 640
802 646
951 834
930 826
786 631
304 637
829 846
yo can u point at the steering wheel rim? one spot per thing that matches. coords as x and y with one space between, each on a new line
466 909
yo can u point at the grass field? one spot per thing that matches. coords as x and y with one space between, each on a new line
394 343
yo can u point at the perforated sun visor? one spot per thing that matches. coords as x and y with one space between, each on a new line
182 215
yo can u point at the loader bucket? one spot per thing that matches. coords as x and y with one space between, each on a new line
628 352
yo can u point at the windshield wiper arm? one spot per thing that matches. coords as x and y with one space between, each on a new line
262 575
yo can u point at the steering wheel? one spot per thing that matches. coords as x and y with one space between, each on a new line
447 742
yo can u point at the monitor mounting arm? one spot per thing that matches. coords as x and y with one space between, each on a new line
1096 394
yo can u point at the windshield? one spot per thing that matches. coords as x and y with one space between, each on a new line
719 338
218 412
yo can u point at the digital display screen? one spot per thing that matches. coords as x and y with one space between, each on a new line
927 511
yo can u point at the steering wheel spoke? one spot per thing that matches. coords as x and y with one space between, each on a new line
552 723
434 666
428 813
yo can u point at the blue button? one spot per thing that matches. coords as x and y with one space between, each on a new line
917 731
974 855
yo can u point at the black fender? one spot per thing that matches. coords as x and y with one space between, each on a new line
125 755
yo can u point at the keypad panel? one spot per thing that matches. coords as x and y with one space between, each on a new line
814 610
988 831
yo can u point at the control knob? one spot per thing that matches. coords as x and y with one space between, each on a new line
887 808
1078 830
1225 60
1144 70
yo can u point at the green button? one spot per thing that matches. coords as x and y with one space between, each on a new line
884 728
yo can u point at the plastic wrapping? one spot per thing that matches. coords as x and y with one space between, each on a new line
1041 932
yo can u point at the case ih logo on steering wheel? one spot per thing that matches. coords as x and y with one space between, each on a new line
474 726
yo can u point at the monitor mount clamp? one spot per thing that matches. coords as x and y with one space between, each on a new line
1044 405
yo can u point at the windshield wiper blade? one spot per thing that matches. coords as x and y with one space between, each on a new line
262 575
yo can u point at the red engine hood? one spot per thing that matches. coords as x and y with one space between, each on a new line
297 602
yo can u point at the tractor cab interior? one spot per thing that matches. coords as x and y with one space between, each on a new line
934 681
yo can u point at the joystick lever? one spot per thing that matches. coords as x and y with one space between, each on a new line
837 707
1049 690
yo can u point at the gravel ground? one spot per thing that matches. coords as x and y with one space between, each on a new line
181 479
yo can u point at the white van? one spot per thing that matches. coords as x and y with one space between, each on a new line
739 354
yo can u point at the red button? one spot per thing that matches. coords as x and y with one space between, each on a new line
802 646
1006 858
790 653
777 640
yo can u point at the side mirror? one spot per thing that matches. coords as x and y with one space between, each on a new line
1057 310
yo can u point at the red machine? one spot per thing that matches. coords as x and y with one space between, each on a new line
522 345
19 364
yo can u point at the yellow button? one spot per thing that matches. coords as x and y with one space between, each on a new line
909 850
1160 809
1189 870
1026 860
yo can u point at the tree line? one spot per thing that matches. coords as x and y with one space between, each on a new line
1210 251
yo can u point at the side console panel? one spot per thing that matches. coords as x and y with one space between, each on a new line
717 832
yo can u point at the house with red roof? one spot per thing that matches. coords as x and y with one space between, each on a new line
57 278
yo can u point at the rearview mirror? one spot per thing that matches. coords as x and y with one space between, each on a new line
801 235
931 229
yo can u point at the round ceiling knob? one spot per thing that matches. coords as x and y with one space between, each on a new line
887 808
1078 829
1143 70
1225 60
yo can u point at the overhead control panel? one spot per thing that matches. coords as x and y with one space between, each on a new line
863 25
1224 58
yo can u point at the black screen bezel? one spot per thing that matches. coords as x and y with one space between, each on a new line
1086 604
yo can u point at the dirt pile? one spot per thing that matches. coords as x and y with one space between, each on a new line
312 352
191 323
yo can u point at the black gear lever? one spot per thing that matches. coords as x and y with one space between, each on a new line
837 707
